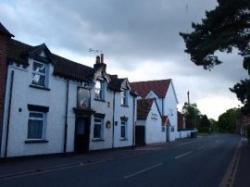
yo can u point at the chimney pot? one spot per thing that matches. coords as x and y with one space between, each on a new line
102 58
97 60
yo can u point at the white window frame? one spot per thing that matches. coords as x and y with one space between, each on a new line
100 92
43 119
45 74
124 98
101 123
124 123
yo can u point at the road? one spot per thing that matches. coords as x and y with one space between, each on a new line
199 162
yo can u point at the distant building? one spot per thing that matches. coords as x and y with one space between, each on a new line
163 92
149 125
181 121
243 124
51 105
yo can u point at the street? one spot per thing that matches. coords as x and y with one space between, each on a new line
194 162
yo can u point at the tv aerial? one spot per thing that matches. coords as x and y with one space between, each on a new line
96 51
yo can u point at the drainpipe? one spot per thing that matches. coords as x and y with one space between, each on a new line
113 130
66 118
9 112
133 122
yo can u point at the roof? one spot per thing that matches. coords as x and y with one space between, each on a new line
5 31
143 108
115 82
18 52
159 87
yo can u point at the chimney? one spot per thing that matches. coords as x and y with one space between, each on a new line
5 36
102 58
97 61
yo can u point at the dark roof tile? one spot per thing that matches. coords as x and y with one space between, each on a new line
143 108
159 87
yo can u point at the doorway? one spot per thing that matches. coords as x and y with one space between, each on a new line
140 135
82 134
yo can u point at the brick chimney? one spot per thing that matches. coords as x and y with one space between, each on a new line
99 63
5 36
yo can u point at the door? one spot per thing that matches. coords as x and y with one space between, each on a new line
82 134
140 135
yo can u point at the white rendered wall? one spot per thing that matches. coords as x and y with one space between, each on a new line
170 109
154 133
106 108
54 99
128 112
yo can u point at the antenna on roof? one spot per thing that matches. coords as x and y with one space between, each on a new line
98 51
187 16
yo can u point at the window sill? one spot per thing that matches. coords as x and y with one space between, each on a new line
36 141
39 87
101 100
124 139
98 140
125 106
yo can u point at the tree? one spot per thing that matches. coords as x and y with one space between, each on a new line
191 114
227 121
224 28
214 125
205 124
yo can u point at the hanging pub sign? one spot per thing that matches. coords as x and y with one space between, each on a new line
83 98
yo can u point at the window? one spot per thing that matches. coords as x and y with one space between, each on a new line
124 98
99 90
36 125
39 74
124 129
98 128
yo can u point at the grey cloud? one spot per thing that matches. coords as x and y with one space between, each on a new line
129 32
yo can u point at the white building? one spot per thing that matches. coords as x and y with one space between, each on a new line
149 126
166 100
54 105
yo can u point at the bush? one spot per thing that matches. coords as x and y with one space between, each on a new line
204 129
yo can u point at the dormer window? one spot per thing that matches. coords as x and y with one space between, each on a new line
99 90
124 98
40 74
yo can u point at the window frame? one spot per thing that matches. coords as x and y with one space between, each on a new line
124 123
44 124
101 95
124 97
45 74
101 124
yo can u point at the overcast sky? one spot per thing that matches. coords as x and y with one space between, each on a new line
140 40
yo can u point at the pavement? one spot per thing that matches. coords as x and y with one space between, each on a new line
242 178
191 162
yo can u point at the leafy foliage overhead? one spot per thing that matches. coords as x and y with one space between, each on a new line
224 28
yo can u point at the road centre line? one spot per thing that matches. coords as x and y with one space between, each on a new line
182 155
143 170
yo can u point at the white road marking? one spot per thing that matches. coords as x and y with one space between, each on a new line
143 170
182 155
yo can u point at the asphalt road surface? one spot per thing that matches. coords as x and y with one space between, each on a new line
200 162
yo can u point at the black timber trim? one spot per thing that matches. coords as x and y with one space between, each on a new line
124 118
35 141
99 115
38 108
39 87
